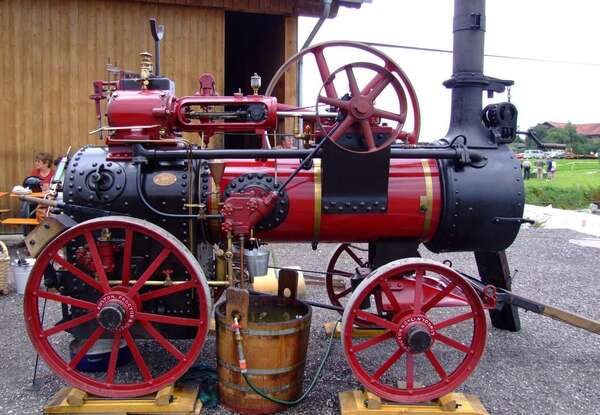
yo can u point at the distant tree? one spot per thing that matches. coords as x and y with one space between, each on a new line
567 135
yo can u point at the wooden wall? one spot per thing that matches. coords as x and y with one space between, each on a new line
52 50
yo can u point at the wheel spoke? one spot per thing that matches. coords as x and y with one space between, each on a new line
178 321
76 272
352 82
126 271
161 292
335 102
454 320
452 343
341 273
389 294
89 237
401 118
343 293
355 257
368 133
378 87
68 324
114 356
135 352
436 364
436 298
418 290
342 128
149 271
372 318
372 342
387 364
86 347
167 345
324 72
66 300
410 371
372 83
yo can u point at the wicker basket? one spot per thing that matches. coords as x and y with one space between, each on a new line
4 267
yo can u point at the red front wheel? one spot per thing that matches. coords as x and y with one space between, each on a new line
433 341
111 285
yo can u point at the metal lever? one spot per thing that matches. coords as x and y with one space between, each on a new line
158 31
531 134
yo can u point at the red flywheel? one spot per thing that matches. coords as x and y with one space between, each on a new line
433 331
124 283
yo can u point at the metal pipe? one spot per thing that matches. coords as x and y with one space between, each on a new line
324 15
397 153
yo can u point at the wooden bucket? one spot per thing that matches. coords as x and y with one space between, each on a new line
275 334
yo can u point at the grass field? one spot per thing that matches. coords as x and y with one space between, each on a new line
576 185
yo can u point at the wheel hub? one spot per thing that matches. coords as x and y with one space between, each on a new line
361 107
116 312
415 334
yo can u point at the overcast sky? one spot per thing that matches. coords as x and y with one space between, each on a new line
546 29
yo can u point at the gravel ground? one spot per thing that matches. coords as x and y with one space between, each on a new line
547 368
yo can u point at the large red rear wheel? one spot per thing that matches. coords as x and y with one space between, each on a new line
113 298
432 343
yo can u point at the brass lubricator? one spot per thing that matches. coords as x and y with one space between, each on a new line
145 68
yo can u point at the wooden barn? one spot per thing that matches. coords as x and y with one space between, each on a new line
52 50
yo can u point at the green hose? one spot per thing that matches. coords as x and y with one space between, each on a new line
310 387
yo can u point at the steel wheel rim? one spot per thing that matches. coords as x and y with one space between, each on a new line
413 394
107 387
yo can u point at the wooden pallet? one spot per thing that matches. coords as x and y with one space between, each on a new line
174 400
357 402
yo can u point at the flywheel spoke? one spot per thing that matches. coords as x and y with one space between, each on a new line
352 84
401 118
335 102
342 127
378 87
368 134
324 72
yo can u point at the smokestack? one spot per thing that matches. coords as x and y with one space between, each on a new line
468 82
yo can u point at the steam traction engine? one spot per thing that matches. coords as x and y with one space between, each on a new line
151 226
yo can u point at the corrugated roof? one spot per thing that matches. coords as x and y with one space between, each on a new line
591 129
